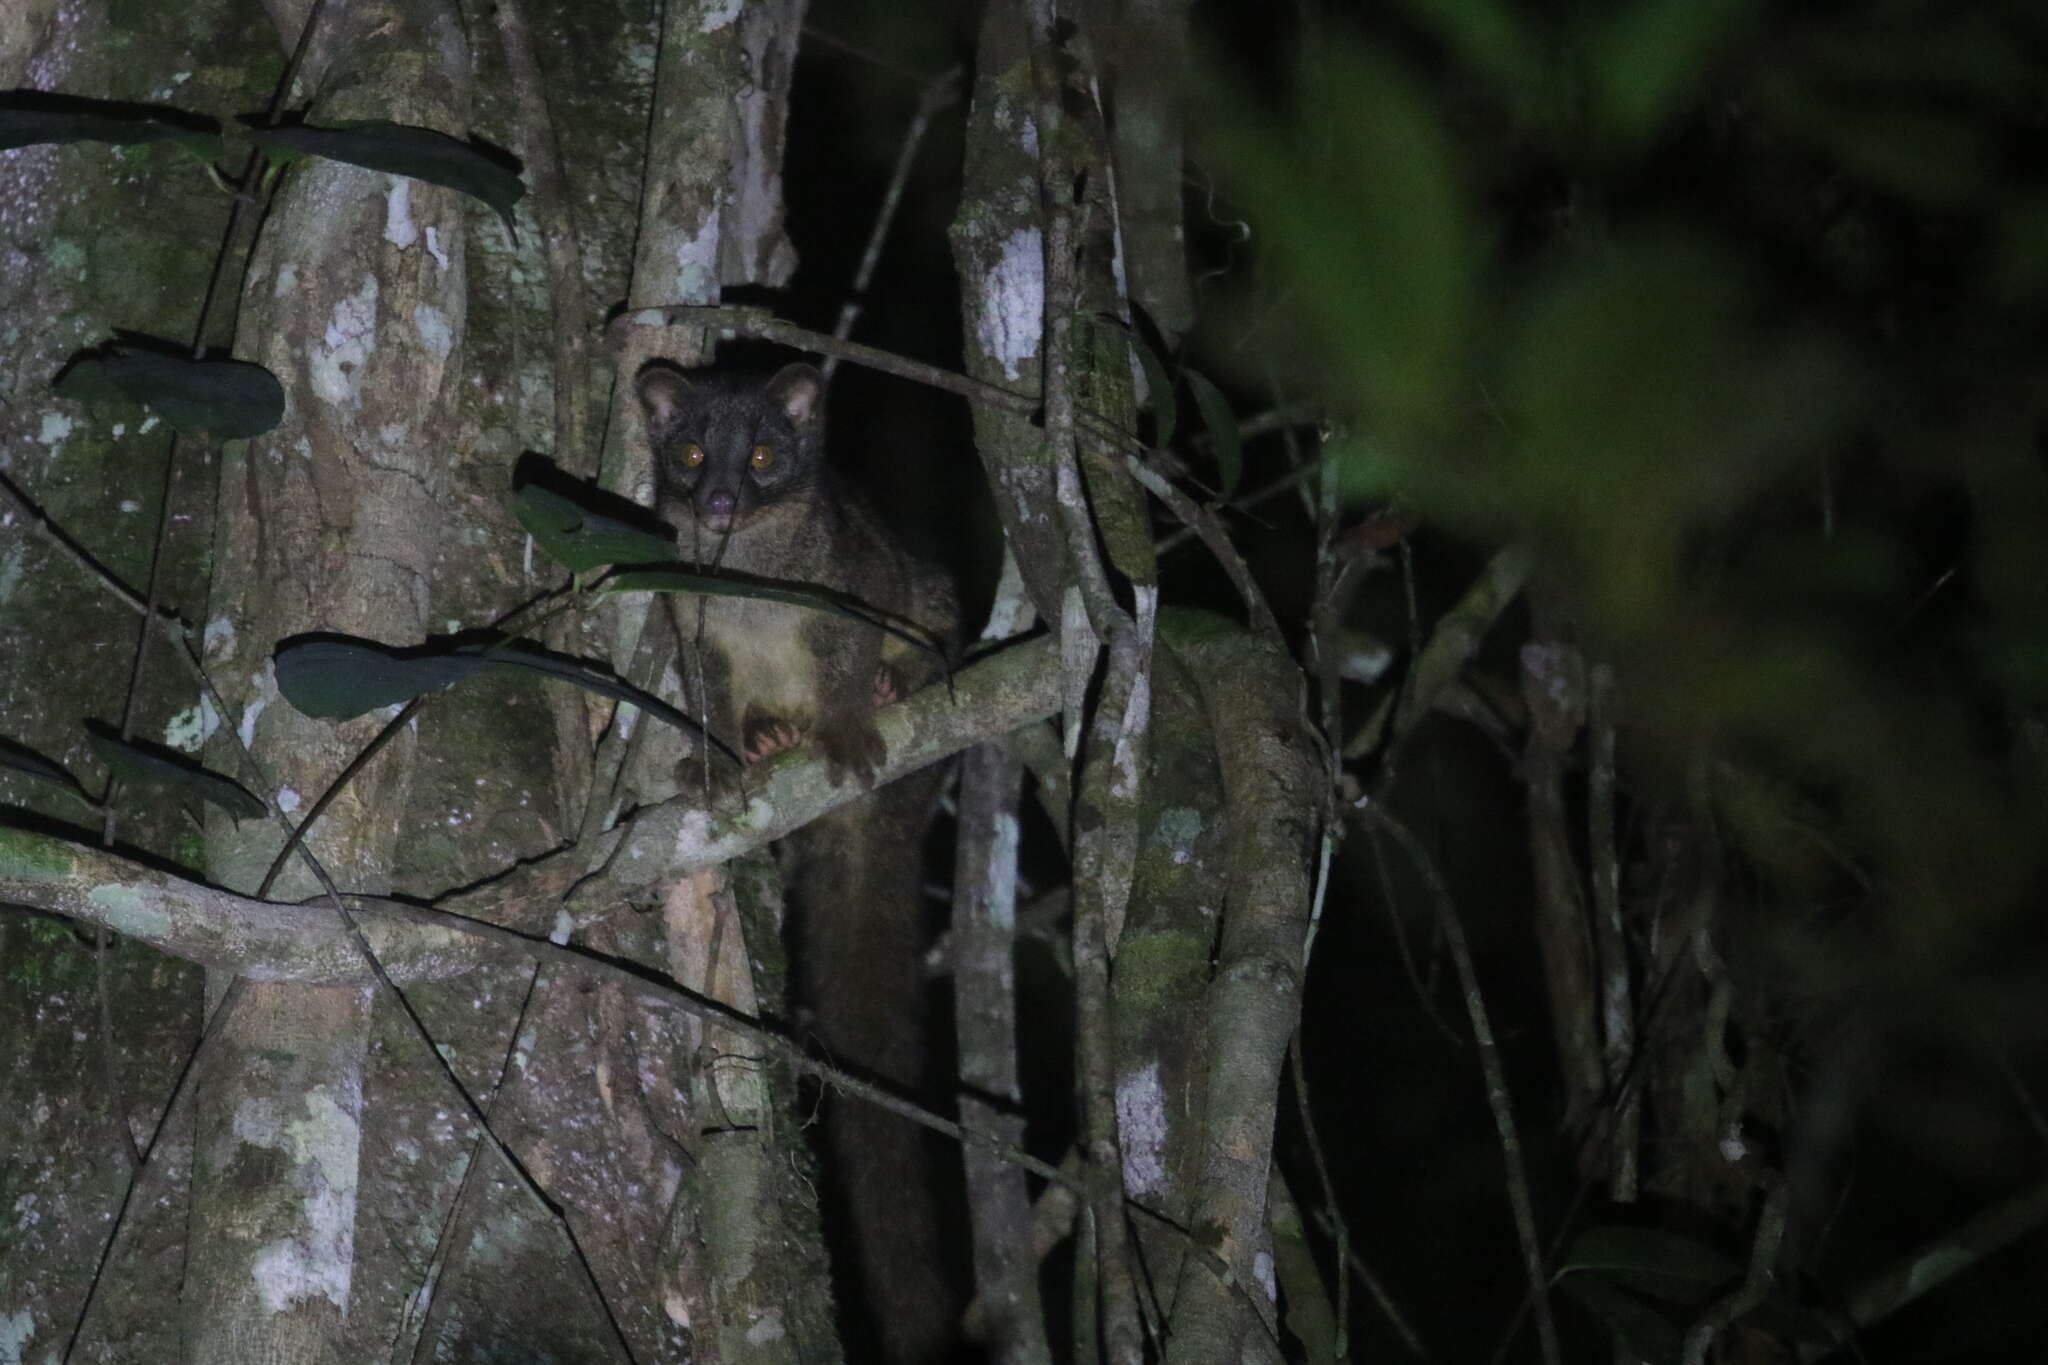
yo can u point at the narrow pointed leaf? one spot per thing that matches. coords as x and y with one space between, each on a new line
1490 36
151 763
401 149
228 399
1159 394
1165 405
679 578
1668 1265
1653 1337
32 117
1378 232
581 539
1649 58
1221 424
26 761
604 684
330 679
340 679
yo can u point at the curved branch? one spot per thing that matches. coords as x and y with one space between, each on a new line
273 941
1011 688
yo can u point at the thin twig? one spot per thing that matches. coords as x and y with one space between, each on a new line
1342 1232
1378 1289
733 321
1943 1258
252 167
110 1052
1756 1282
180 1087
1284 420
1497 1097
177 896
459 1227
619 749
392 729
1610 939
1455 639
1202 522
759 324
866 54
78 555
940 95
1424 987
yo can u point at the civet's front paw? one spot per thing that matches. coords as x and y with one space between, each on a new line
766 736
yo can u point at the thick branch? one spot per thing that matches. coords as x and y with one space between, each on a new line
411 943
281 942
1009 689
1273 782
262 940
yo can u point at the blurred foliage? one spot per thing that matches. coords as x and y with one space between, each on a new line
1734 310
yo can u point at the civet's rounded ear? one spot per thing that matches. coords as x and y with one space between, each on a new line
799 390
663 391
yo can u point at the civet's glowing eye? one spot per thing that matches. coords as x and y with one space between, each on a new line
763 457
694 456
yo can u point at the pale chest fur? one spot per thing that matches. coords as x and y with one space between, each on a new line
769 664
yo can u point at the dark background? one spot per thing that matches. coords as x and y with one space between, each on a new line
1907 993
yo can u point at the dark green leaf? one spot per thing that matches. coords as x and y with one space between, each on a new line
152 763
227 398
401 149
581 539
1221 424
568 670
1649 57
1652 1336
30 117
332 679
21 759
1668 1265
1307 1304
1488 35
1159 390
679 578
340 679
1374 225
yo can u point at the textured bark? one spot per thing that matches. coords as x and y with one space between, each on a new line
999 250
1145 46
376 509
751 1263
1274 787
1554 689
356 301
94 238
1011 1320
1163 963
